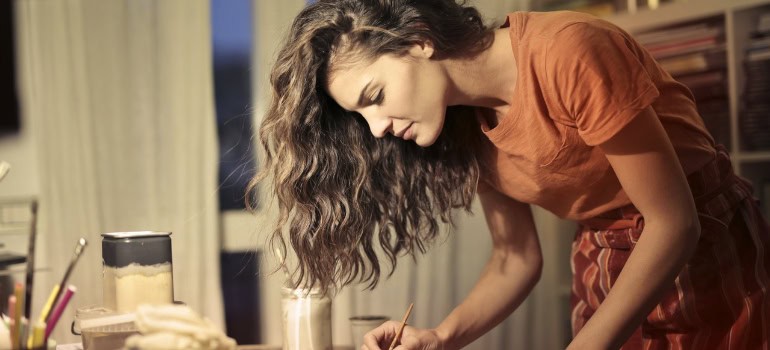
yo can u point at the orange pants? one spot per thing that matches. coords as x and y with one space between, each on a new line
720 298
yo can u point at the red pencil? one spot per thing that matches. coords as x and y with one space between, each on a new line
59 310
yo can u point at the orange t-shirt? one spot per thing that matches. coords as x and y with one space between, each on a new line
580 81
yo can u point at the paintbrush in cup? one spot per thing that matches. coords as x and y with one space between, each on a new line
401 329
282 261
59 288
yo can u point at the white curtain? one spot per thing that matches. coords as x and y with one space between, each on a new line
119 97
442 278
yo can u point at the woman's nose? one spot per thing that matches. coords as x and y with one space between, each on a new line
378 124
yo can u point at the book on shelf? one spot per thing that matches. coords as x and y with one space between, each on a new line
681 33
763 24
687 49
758 43
694 62
679 48
758 55
702 79
599 8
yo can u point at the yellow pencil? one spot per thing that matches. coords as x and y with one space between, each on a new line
38 336
17 339
49 304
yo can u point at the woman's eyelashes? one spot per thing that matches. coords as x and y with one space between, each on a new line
378 97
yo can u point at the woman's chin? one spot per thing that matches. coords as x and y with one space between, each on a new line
425 141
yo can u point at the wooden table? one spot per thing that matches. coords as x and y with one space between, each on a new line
276 347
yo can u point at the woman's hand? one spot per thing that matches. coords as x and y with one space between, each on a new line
513 269
411 338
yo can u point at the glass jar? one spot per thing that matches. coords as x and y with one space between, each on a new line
137 269
307 319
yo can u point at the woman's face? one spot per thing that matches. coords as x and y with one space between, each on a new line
404 96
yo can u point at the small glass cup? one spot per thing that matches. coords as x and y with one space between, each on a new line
307 319
360 325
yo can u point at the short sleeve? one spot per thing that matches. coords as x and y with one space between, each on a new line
597 75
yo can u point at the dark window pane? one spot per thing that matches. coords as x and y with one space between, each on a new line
231 24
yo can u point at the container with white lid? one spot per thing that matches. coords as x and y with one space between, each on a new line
103 329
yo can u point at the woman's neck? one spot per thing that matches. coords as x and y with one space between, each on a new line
486 80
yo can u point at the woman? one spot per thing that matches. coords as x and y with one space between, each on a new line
389 113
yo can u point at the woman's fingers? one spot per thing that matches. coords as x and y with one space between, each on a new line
380 337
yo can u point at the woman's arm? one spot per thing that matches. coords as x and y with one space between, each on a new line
510 274
648 169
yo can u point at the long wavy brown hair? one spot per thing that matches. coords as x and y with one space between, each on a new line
342 192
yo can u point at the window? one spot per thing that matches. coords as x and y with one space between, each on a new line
231 28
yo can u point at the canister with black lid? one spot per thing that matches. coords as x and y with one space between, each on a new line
137 269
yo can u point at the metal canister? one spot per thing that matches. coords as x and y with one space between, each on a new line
307 320
136 269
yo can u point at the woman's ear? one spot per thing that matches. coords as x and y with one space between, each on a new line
422 49
427 48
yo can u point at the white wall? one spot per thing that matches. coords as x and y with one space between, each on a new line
19 150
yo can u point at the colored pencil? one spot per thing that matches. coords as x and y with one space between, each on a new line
18 291
39 338
13 322
57 312
49 304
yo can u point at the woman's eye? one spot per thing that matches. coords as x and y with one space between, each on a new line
379 97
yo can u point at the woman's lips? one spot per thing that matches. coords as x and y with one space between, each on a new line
408 133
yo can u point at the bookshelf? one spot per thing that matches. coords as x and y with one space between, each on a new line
746 123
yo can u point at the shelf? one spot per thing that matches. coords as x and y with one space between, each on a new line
761 156
678 12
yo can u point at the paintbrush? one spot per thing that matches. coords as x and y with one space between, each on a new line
82 243
282 260
4 168
30 266
30 261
